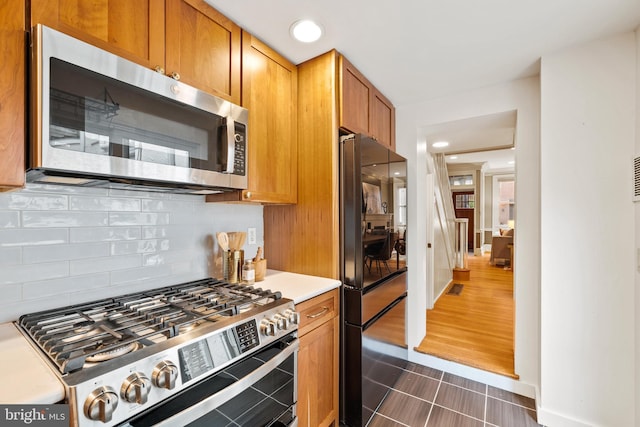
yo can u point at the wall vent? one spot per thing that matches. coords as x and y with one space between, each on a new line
636 179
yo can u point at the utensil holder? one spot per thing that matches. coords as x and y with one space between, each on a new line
261 269
232 266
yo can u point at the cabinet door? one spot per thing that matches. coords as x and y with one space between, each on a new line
131 29
318 376
12 93
383 120
203 48
270 92
355 99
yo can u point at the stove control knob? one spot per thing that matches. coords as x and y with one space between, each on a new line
100 404
292 315
282 321
165 374
135 388
267 327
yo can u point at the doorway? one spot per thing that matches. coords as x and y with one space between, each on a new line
489 292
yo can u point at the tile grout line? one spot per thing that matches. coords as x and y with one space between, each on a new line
426 423
486 399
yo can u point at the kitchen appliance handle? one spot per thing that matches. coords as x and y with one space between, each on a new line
215 400
231 144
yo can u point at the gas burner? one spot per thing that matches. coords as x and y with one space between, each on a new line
81 333
113 353
188 327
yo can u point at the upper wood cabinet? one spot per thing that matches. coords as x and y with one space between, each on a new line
204 47
270 93
363 109
185 39
12 94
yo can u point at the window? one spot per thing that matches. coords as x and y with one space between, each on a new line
506 203
460 180
465 201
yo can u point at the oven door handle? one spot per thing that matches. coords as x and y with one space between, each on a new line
215 400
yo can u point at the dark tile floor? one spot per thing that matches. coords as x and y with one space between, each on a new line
423 397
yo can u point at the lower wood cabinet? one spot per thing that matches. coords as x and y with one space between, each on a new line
318 360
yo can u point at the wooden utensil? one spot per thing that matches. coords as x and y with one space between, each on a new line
258 256
223 240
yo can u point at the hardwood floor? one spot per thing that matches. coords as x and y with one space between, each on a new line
476 327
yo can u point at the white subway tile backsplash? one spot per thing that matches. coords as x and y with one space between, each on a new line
139 275
26 237
39 289
33 202
84 203
184 206
64 219
103 234
18 273
55 189
9 219
62 245
10 256
126 218
134 247
97 265
38 254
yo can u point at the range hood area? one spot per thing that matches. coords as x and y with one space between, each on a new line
99 120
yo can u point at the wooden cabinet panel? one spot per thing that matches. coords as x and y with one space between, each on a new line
12 94
318 369
318 310
363 108
185 38
304 238
203 47
131 29
383 120
355 98
270 93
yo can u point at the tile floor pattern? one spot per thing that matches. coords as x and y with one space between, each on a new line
427 397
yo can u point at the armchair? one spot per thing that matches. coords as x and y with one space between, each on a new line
500 250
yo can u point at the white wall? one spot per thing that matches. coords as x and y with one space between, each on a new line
637 239
65 245
522 96
588 118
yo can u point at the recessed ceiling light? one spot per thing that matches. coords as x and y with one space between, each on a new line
306 31
511 162
440 144
453 157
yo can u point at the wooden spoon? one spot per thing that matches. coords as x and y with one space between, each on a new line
223 240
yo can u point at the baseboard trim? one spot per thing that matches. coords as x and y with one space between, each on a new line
553 419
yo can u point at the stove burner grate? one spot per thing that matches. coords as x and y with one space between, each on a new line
106 329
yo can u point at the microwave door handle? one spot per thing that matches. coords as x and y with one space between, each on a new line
231 144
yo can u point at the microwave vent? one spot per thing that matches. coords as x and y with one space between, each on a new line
636 178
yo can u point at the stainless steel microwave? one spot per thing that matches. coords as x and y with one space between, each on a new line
101 120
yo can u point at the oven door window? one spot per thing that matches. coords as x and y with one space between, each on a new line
95 114
258 391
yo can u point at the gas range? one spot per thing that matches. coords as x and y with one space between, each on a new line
118 357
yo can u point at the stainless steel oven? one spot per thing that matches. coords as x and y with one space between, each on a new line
202 353
257 391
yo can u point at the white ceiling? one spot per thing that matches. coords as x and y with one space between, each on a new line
414 50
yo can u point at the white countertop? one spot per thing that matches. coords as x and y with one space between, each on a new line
26 378
298 287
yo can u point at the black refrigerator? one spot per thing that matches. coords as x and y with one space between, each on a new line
373 215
